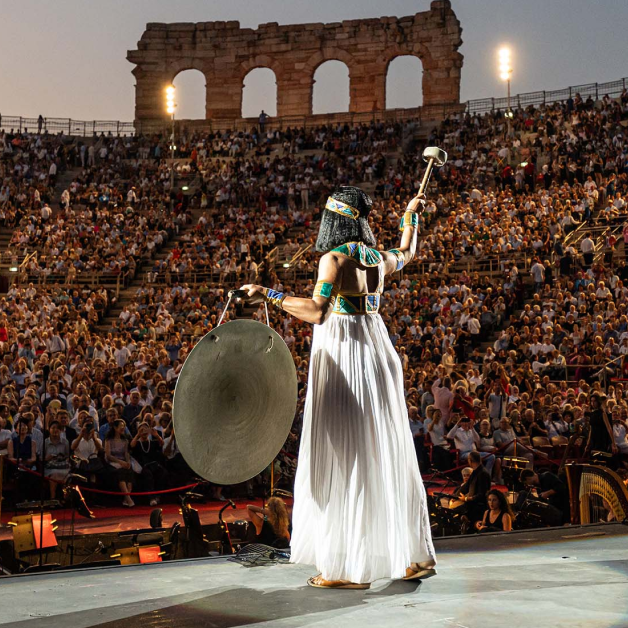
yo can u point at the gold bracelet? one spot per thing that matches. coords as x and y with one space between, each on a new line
410 219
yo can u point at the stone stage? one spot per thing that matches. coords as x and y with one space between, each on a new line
571 577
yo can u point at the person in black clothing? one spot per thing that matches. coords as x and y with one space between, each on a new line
498 517
68 432
146 448
131 411
566 265
600 430
272 524
473 494
549 487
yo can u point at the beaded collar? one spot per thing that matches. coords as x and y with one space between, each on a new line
360 253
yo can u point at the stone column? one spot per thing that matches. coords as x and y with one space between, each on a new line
294 90
441 79
367 87
150 97
224 96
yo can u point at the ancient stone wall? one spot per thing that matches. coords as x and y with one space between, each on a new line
225 53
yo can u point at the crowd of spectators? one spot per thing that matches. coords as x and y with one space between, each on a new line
511 326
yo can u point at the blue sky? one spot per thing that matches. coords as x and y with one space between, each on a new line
67 58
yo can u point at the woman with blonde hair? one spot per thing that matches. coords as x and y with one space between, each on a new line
272 524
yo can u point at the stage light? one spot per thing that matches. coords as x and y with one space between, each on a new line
170 103
185 188
505 64
505 74
13 269
286 265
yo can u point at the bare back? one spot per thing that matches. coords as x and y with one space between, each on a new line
355 278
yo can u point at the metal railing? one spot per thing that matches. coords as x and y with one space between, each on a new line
67 126
521 101
113 282
84 128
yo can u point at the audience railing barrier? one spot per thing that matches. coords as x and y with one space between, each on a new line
84 128
111 281
596 91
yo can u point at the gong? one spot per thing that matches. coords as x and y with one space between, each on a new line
235 401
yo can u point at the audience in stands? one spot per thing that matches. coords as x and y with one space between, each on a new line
510 325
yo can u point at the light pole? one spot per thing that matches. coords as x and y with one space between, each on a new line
170 107
505 74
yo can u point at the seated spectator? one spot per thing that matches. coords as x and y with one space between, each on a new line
118 456
22 449
146 448
468 440
5 436
87 447
57 461
441 458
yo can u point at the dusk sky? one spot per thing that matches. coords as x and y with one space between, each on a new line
67 58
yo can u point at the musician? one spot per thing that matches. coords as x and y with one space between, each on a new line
463 488
498 517
473 494
272 524
549 487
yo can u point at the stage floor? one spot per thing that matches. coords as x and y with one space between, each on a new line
568 577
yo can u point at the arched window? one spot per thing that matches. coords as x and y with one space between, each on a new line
331 88
191 95
259 92
404 83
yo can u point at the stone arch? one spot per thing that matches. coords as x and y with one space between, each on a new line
260 93
260 61
320 58
331 73
191 95
403 82
225 53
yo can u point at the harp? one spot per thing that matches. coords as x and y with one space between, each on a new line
596 494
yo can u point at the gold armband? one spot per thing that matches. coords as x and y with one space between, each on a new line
324 289
410 219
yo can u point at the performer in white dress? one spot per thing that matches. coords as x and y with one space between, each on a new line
360 509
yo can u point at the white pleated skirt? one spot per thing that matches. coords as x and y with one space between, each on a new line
360 510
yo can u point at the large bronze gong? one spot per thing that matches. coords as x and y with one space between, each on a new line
234 402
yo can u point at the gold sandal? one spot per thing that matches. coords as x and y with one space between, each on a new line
337 584
422 573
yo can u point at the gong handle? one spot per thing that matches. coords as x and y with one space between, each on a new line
426 176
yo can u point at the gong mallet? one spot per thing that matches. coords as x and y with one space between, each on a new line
433 156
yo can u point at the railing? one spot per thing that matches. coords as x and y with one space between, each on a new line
111 281
67 126
485 265
83 128
521 101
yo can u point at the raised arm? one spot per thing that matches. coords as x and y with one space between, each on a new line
315 310
396 259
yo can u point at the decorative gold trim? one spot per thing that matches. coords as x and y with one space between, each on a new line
341 208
